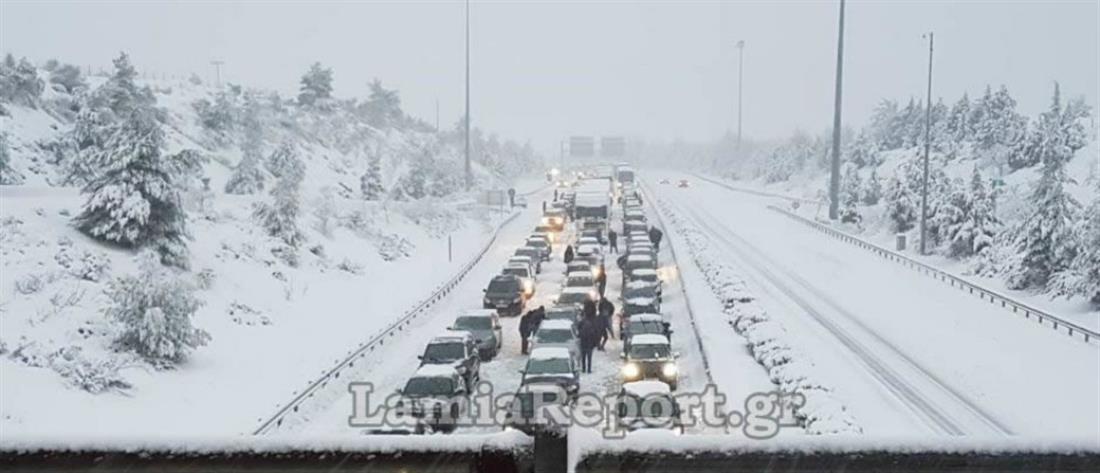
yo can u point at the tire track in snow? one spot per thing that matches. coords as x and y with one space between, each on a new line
916 401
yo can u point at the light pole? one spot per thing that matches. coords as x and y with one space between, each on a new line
834 175
469 176
740 80
217 71
927 149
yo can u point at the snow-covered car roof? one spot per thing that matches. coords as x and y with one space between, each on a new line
639 258
556 324
646 387
563 308
647 317
588 249
577 290
452 336
580 274
435 371
518 265
579 263
642 272
649 339
588 240
518 258
549 353
477 313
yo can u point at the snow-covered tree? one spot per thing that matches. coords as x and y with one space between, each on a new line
19 82
324 210
68 77
155 309
316 85
863 151
371 182
282 159
1083 276
902 205
248 177
979 226
997 126
7 174
383 107
885 128
1045 238
958 120
850 193
872 190
280 216
218 118
134 198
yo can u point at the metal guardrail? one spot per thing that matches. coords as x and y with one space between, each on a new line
379 339
757 192
1072 329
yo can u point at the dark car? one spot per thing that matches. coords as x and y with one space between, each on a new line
552 365
542 244
505 294
528 411
434 396
640 298
484 326
650 356
457 350
637 261
641 324
645 405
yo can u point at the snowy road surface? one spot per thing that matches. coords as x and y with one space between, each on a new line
909 353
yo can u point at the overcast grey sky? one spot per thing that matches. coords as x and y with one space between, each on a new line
543 70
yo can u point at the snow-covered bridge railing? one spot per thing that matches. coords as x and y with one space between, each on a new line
380 338
1057 323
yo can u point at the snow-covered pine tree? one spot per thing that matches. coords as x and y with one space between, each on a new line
280 216
19 82
316 85
872 190
1045 238
863 151
980 226
999 127
371 182
958 120
247 177
885 127
281 159
383 107
7 174
850 195
134 199
1083 276
951 215
901 207
155 308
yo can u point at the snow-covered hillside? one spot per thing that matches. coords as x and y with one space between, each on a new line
274 320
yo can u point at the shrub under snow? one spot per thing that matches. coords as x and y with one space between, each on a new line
155 309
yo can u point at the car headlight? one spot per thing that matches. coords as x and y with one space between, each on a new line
487 301
669 370
631 371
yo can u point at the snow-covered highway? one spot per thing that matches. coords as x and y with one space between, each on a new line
907 353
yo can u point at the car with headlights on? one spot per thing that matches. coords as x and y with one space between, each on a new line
542 243
649 277
525 274
505 293
525 261
650 356
484 326
457 350
590 253
435 396
554 218
552 365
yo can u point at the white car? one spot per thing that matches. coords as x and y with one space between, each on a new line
524 260
523 271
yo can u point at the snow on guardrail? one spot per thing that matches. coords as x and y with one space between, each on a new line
821 412
1057 323
379 339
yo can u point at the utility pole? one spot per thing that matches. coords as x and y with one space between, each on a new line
561 159
437 115
217 71
469 176
740 77
834 175
927 149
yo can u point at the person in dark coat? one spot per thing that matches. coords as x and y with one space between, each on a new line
621 261
589 311
613 238
607 311
568 254
601 280
537 316
525 330
655 235
590 337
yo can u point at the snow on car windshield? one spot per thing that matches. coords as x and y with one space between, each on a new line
445 351
547 366
428 386
647 351
474 323
554 336
503 286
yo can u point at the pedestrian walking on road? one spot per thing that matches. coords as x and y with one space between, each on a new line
655 235
601 280
590 337
613 238
607 311
568 254
525 330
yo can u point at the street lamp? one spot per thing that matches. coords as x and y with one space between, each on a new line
834 175
469 175
740 77
927 149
